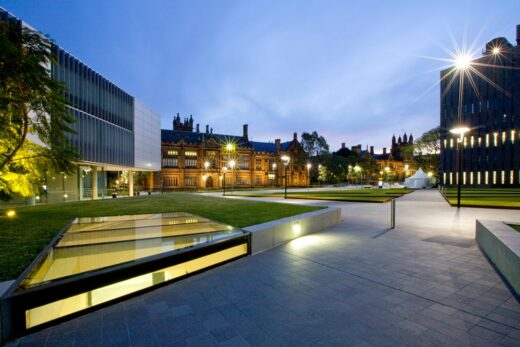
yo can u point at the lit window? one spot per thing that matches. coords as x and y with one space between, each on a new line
451 177
512 136
173 153
472 141
511 178
190 153
451 143
465 141
479 141
502 177
503 137
487 140
486 178
471 178
445 143
494 177
464 178
478 177
495 139
444 177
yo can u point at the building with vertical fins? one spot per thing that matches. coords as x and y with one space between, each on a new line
117 136
490 108
200 159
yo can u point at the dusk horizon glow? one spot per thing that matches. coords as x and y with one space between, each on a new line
354 72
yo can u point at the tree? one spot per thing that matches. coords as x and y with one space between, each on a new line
314 144
425 152
32 104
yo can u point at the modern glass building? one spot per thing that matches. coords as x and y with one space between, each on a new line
117 136
490 107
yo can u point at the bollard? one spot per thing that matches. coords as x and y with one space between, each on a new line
392 214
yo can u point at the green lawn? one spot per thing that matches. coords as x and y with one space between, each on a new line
357 195
516 227
485 197
25 235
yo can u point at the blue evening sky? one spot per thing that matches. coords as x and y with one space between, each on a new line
351 70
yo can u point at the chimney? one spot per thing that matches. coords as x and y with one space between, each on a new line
384 150
277 143
207 129
518 35
343 145
372 150
295 136
198 128
244 131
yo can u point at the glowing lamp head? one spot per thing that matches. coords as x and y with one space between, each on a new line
309 165
231 163
229 146
285 159
496 50
274 166
459 130
224 169
11 213
462 62
206 164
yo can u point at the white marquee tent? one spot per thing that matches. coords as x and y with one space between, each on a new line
419 180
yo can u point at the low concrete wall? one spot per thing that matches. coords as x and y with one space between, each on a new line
271 234
501 244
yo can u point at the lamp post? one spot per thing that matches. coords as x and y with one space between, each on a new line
205 176
309 165
224 169
460 130
275 175
285 160
231 166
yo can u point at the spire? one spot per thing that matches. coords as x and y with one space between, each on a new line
410 139
399 141
393 139
405 138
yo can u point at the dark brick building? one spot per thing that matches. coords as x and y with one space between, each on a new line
490 107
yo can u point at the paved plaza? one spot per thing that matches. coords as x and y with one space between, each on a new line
356 284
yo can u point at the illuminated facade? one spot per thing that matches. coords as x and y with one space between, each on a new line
194 159
116 135
490 108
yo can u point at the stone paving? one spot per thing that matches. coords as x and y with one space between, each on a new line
356 284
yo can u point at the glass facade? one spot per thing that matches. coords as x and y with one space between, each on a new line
103 112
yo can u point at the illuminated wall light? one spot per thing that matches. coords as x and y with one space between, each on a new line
11 213
297 228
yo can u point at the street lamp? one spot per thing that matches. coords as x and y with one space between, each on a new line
275 182
309 165
224 169
460 130
231 166
285 160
